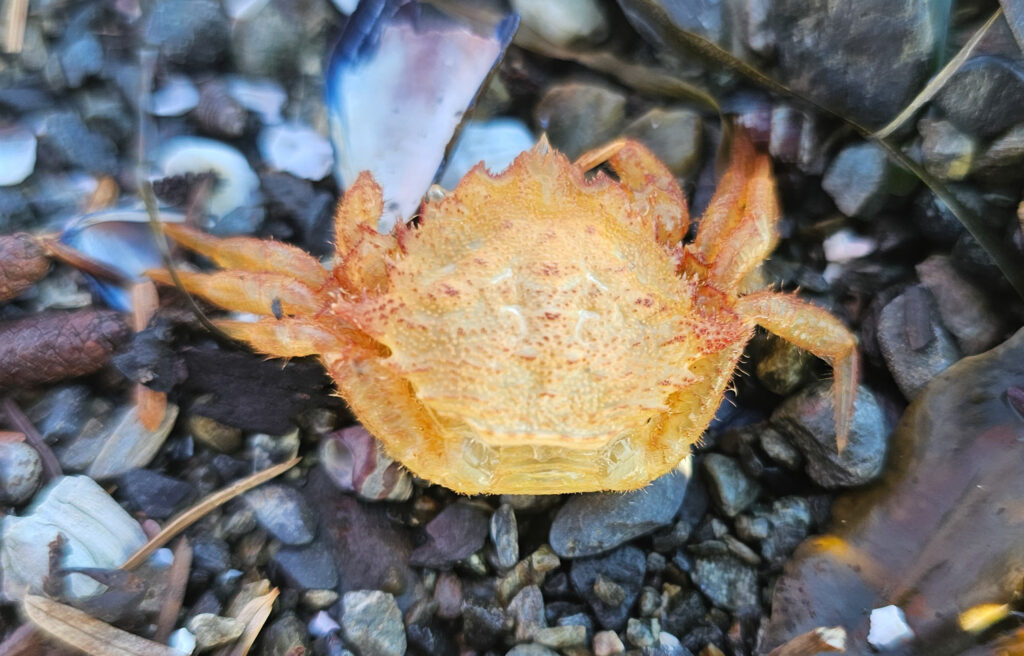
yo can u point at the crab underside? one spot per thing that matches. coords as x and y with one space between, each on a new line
537 331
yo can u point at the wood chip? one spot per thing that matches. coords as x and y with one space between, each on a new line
816 641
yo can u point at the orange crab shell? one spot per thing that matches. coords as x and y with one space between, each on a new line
537 332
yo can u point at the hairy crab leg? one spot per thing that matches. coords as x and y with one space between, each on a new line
813 329
250 254
282 338
362 252
650 181
242 291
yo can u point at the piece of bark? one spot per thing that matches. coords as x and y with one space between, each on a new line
49 347
22 263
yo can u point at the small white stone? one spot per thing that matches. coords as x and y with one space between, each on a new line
17 155
889 628
183 641
262 96
322 624
847 245
176 97
298 150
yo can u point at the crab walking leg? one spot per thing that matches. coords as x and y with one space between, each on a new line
249 254
257 293
281 338
815 330
362 252
647 177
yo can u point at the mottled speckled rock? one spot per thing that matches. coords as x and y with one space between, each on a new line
622 569
456 533
372 623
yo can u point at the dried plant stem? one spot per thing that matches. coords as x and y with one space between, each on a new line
15 14
51 467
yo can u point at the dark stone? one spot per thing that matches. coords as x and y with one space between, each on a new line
625 567
865 59
728 583
156 495
303 206
431 641
283 512
985 97
192 33
731 489
684 610
505 536
309 567
210 554
64 137
456 533
808 421
577 117
858 179
594 523
483 625
80 58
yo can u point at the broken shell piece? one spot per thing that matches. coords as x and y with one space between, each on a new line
17 155
356 462
425 67
128 444
98 530
889 628
237 184
176 97
298 150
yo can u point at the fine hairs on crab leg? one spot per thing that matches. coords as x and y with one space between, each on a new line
282 338
250 254
815 330
242 291
646 176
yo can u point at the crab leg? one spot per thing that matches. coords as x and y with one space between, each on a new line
282 338
241 291
249 254
815 330
728 204
649 181
362 250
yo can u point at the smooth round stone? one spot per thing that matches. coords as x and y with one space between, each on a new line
594 523
17 155
563 23
283 512
20 472
914 344
505 536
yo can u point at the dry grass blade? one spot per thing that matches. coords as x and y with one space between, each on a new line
816 641
196 512
15 13
80 630
254 614
177 581
939 80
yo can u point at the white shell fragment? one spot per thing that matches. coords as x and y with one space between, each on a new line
495 143
176 97
888 628
847 245
298 150
398 85
237 184
17 155
98 530
128 444
262 96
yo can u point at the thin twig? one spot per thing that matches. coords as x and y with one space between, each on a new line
15 15
51 466
177 581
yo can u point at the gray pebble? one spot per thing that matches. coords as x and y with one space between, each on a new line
448 595
192 33
674 135
948 153
640 634
213 631
624 569
565 636
667 645
808 421
577 117
728 583
505 536
858 179
285 636
731 490
21 469
779 448
153 493
80 58
372 623
283 513
964 308
308 567
590 524
530 649
456 533
916 347
985 96
64 135
527 610
684 609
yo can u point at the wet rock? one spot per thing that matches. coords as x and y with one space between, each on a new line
563 23
527 611
624 568
191 33
300 204
964 308
796 137
212 631
705 19
456 533
65 137
668 645
17 155
154 494
590 524
674 135
916 347
948 153
125 443
99 534
505 536
577 116
984 97
309 567
283 512
608 643
372 623
728 583
858 179
953 468
356 462
640 634
21 470
865 60
731 490
808 421
789 522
